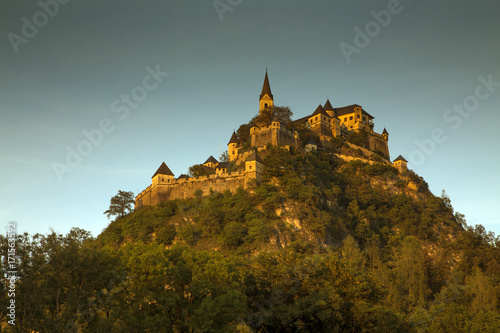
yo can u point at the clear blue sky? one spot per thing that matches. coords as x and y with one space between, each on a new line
65 73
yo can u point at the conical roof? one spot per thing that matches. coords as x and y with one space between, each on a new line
328 106
163 170
254 157
266 88
385 132
400 158
320 110
211 159
234 138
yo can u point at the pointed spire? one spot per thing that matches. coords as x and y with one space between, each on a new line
328 106
266 88
234 138
163 170
385 131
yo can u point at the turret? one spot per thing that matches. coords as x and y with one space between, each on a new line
358 117
266 97
231 147
253 167
335 126
162 175
275 123
385 134
211 162
401 164
329 108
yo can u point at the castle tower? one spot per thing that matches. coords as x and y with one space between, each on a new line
275 123
358 117
211 162
253 168
336 126
162 175
275 131
231 147
335 120
385 134
401 164
329 108
266 97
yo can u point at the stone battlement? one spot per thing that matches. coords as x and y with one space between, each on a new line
187 187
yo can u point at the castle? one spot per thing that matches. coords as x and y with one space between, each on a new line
326 122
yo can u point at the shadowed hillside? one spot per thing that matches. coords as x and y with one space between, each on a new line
319 245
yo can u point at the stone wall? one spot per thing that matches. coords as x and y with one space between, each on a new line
187 187
260 137
377 142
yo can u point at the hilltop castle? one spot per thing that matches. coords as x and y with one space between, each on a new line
326 122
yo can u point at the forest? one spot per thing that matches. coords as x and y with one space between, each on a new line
320 245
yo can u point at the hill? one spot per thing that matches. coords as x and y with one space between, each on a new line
315 197
326 245
319 245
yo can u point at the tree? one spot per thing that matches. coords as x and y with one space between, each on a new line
198 170
352 254
283 113
482 292
224 157
408 288
120 204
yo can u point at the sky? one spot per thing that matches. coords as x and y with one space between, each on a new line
95 95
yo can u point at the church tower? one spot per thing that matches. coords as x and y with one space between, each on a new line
266 97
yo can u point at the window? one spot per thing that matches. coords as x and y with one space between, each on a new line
345 119
265 105
316 118
350 118
350 127
357 116
250 167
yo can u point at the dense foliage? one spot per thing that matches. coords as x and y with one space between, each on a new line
319 245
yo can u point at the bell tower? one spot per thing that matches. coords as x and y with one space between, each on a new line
266 97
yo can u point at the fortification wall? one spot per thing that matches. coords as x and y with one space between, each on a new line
377 142
260 137
187 187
